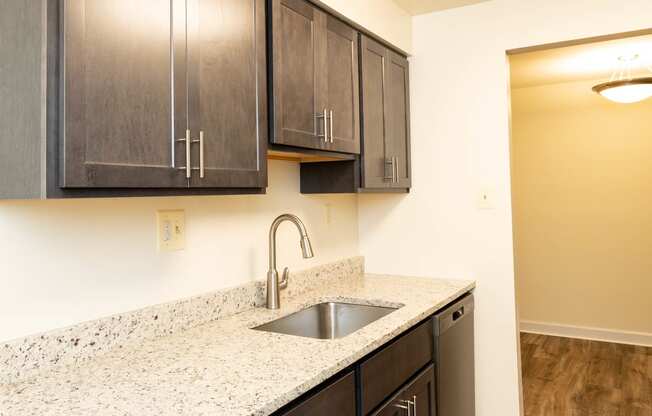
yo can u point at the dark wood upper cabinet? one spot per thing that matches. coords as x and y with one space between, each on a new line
386 159
376 166
227 95
117 95
343 87
298 98
315 92
183 97
145 82
398 104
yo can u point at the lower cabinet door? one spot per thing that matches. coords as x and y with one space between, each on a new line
336 399
415 399
396 407
421 394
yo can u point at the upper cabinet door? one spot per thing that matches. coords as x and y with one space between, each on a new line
299 102
117 113
376 167
227 93
385 87
398 113
343 86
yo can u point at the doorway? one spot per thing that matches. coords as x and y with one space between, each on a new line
582 209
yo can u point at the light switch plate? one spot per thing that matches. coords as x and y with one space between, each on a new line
486 198
171 230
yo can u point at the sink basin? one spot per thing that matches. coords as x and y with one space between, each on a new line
329 320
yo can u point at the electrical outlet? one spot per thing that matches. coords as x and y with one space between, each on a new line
171 227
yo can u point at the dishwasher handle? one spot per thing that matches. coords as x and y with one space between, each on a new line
454 314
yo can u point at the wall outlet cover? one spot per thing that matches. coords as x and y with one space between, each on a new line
171 230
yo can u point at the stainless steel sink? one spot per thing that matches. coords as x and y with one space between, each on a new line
329 320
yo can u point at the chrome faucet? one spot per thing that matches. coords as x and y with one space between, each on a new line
274 286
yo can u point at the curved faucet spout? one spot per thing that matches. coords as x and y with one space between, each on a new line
273 284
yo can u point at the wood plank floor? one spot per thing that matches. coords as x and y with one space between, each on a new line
572 377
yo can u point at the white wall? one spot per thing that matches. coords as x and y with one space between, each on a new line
460 144
383 17
582 197
68 261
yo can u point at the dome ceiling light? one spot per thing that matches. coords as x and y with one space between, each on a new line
622 87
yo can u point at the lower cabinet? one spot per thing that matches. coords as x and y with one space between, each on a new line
391 367
398 379
336 399
415 399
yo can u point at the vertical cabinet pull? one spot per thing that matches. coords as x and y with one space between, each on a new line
390 162
324 117
201 154
393 164
186 141
331 114
396 170
414 405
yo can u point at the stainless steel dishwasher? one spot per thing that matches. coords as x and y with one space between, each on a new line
455 359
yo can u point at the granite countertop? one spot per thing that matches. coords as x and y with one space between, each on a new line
224 367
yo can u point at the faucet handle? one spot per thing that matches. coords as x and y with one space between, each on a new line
284 280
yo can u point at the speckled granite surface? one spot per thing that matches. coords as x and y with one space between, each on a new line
225 368
28 357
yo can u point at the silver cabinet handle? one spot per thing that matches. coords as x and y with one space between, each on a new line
201 153
405 405
396 169
325 125
414 405
390 162
186 140
324 116
331 114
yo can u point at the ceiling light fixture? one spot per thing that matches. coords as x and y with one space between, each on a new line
622 87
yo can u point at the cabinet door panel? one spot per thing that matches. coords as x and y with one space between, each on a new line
394 408
418 395
336 399
392 366
398 104
227 92
298 38
343 86
117 125
421 392
376 173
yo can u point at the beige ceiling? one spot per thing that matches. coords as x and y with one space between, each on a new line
415 7
594 61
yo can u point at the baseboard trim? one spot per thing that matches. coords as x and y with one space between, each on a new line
594 334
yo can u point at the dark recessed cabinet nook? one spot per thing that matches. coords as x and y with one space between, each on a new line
191 97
